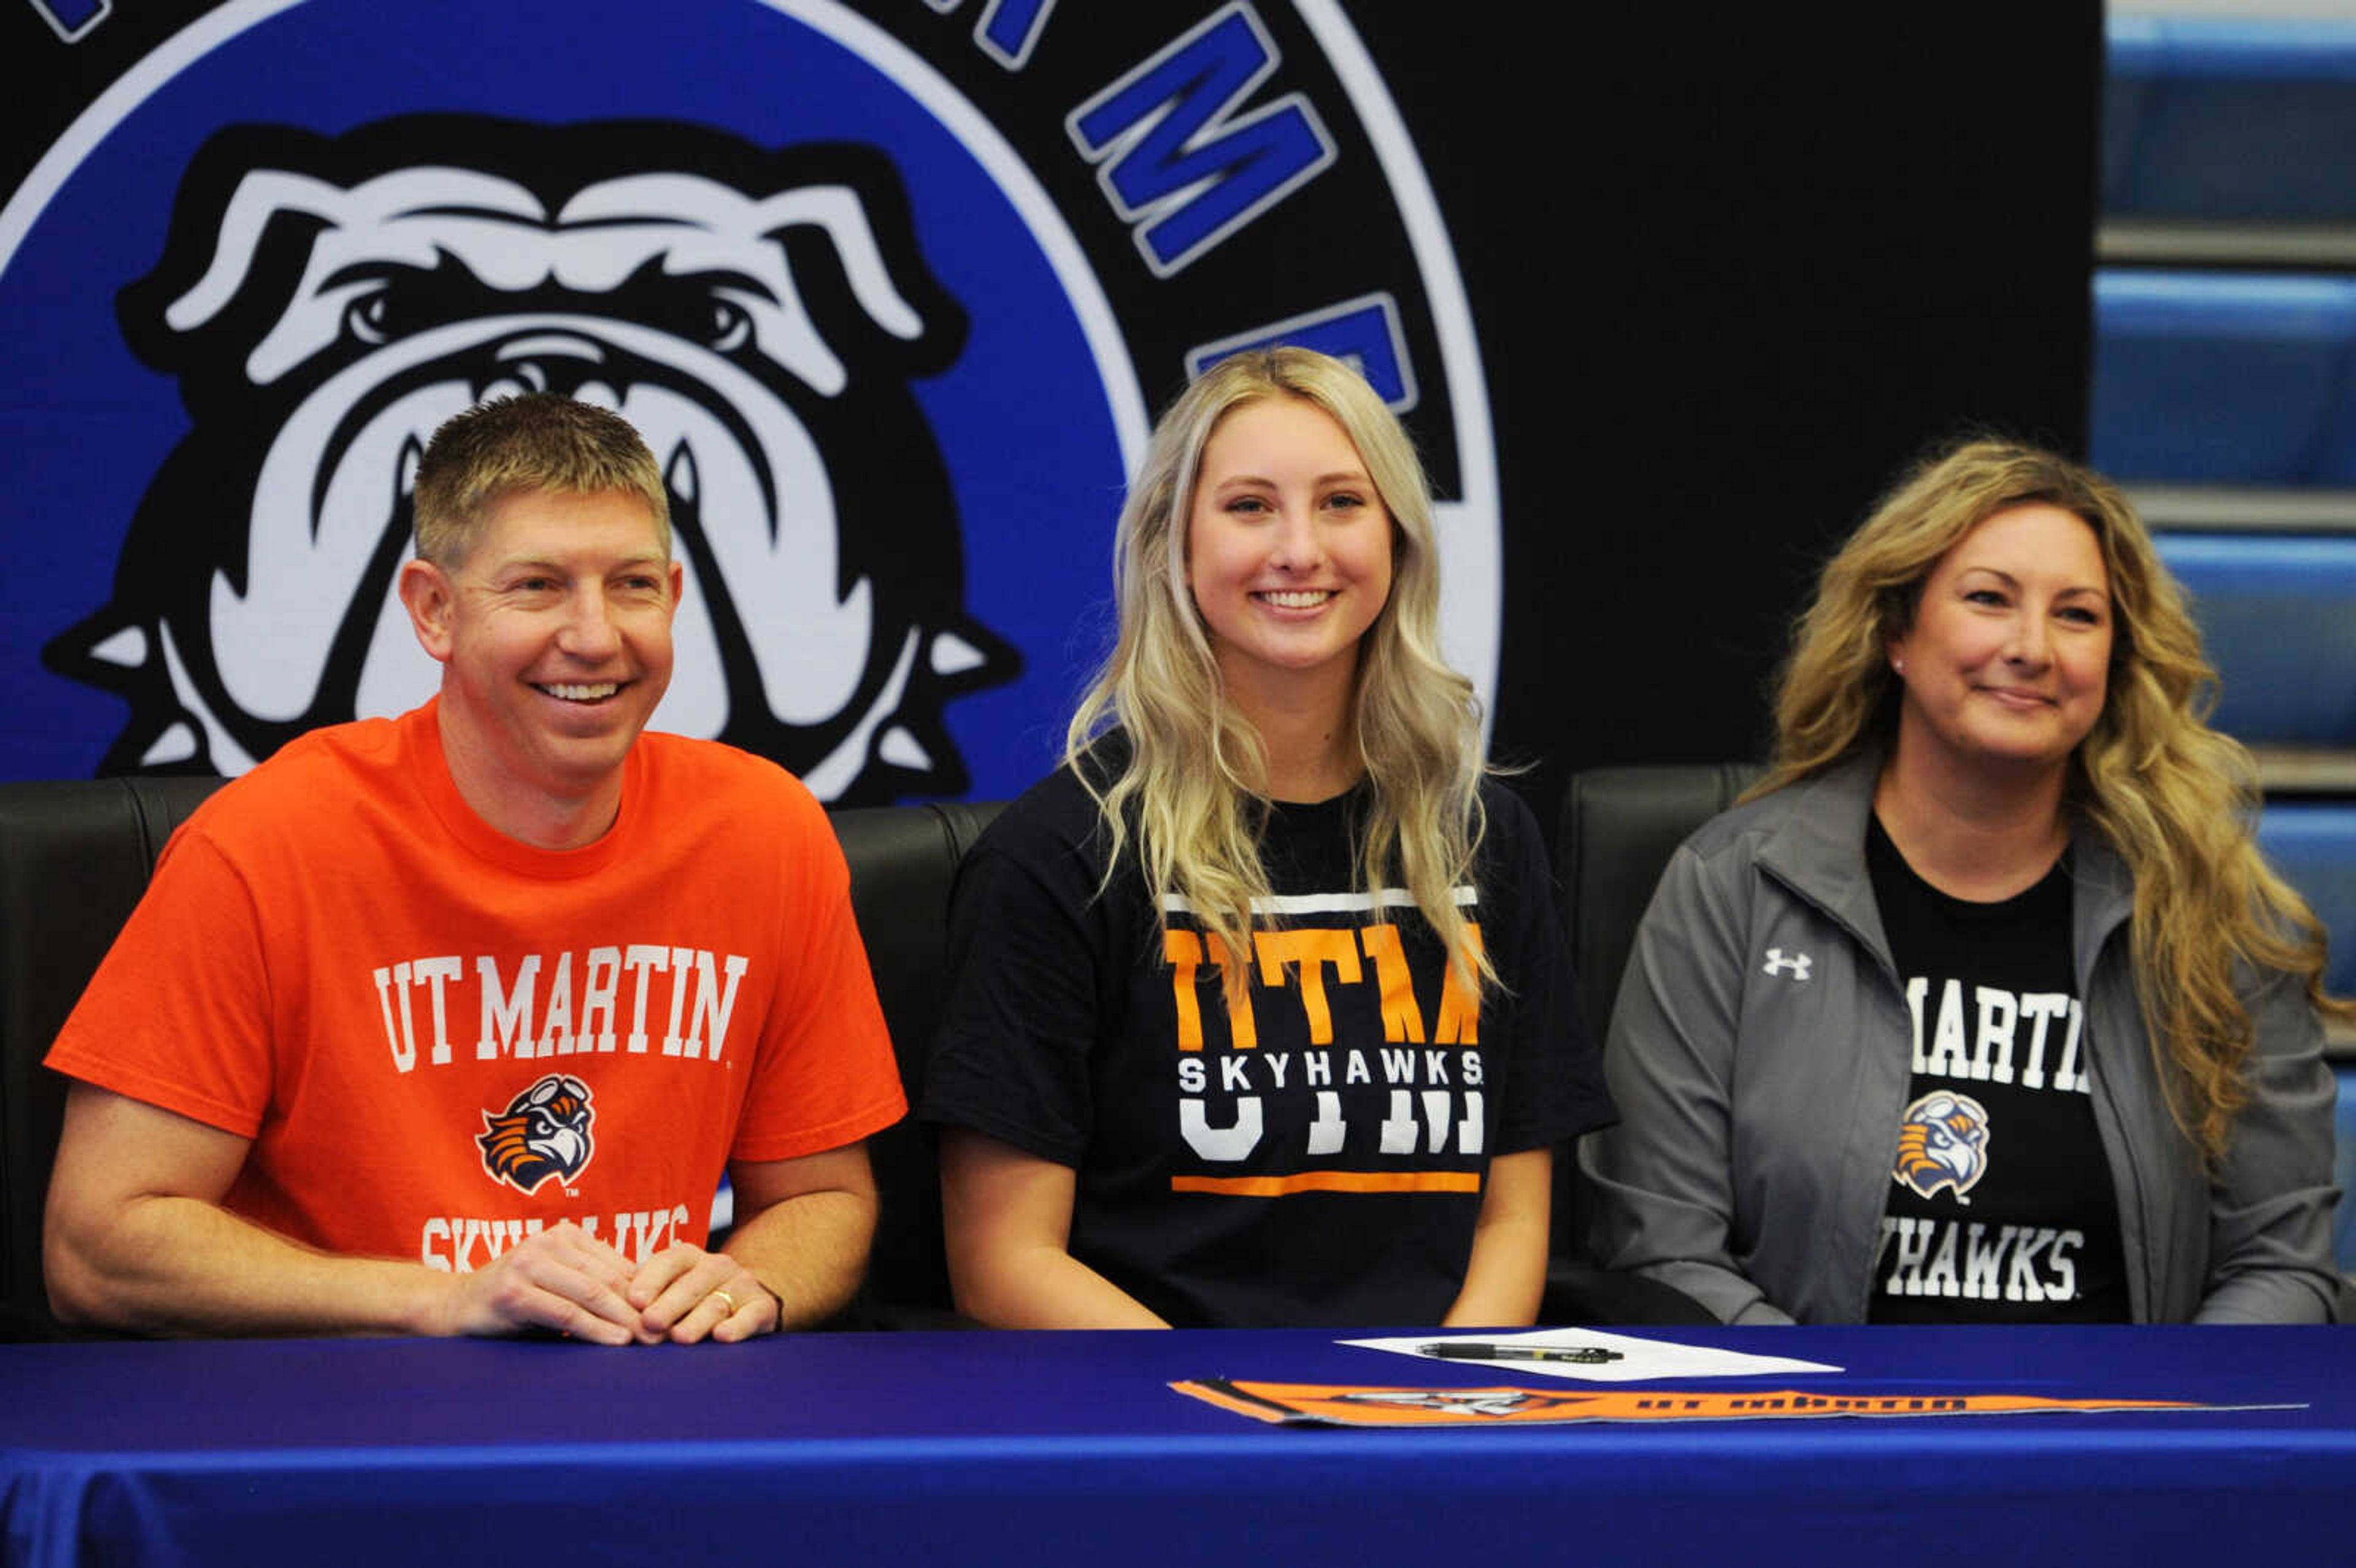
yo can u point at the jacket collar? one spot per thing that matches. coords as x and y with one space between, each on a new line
2103 896
1818 851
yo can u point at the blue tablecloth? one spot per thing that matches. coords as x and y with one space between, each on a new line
1042 1449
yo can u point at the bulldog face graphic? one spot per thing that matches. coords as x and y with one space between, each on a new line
758 316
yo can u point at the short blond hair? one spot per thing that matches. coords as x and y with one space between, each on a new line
538 442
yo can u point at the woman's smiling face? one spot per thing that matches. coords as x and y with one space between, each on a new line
2008 657
1288 546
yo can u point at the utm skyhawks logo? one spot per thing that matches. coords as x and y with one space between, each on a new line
1942 1142
894 296
543 1132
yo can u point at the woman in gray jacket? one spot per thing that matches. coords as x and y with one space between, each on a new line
1984 1006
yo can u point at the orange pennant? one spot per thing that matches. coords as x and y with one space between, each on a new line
1347 1406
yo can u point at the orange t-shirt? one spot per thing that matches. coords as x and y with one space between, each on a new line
441 1039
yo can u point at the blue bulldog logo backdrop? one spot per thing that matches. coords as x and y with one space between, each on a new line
892 289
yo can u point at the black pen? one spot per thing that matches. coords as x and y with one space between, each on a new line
1472 1351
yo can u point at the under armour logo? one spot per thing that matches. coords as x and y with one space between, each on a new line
1796 964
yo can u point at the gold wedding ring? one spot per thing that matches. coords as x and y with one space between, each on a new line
728 1299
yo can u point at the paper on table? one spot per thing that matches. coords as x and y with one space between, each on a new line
1639 1359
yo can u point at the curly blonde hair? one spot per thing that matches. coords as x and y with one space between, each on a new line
1191 793
2175 799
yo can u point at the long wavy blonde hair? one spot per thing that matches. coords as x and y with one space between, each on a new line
1191 794
2176 799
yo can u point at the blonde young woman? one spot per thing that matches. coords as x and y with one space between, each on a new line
1208 1059
1984 1006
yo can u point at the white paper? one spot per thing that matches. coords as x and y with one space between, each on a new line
1639 1359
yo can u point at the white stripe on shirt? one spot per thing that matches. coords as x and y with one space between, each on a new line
1326 903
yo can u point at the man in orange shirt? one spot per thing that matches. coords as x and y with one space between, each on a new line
450 1023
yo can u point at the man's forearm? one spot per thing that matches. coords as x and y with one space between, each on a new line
184 1266
810 1249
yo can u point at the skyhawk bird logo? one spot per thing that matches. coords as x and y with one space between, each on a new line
1942 1142
543 1132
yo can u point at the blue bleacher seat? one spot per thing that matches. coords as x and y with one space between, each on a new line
2224 377
2222 119
2225 357
2278 614
2313 843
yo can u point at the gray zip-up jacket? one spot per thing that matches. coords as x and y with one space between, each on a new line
1760 1095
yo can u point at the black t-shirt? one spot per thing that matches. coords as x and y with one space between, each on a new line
2001 1206
1315 1156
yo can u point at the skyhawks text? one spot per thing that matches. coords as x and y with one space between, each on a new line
456 1244
1427 1075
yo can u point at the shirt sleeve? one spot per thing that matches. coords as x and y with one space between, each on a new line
179 1013
826 1076
2270 1204
1662 1179
1554 1086
1025 1004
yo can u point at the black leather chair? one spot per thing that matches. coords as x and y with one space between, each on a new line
76 855
904 860
74 858
1619 828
